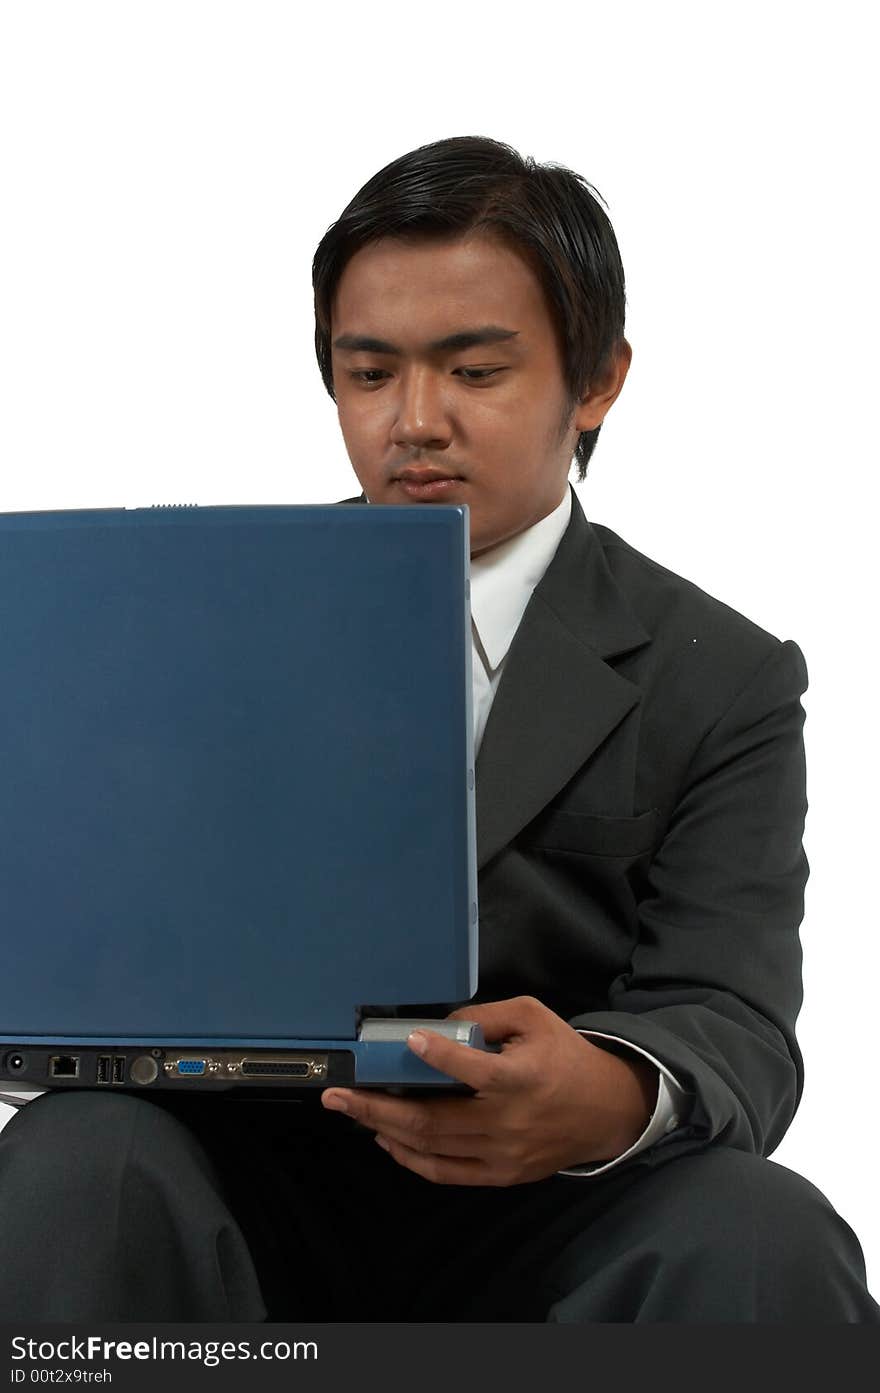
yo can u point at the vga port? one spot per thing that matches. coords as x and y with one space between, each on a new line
192 1066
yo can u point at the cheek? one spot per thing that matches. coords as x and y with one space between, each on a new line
361 424
354 434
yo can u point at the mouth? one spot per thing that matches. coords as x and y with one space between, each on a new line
426 484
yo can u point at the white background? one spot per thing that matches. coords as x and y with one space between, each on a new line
167 169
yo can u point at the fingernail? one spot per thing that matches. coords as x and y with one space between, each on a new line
417 1041
380 1141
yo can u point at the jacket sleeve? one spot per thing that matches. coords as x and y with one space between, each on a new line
713 986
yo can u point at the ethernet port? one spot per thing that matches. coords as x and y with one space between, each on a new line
64 1066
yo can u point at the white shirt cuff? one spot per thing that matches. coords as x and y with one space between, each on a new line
670 1110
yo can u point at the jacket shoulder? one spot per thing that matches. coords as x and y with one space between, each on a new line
666 601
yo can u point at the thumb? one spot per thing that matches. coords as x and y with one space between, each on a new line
503 1020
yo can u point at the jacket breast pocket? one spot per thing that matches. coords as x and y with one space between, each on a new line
590 834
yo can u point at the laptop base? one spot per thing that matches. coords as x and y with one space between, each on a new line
379 1058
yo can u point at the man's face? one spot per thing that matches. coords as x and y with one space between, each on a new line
476 422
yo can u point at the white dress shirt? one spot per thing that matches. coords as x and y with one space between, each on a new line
502 581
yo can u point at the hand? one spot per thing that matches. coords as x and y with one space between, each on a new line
551 1099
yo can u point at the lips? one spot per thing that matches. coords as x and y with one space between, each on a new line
428 484
428 475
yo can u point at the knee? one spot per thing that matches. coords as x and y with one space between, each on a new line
108 1205
760 1224
80 1139
717 1235
785 1219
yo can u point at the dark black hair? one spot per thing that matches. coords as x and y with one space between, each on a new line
545 211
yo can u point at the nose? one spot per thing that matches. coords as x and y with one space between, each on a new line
422 418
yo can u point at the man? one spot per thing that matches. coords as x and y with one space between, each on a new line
640 807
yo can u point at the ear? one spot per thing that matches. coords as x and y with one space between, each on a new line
604 389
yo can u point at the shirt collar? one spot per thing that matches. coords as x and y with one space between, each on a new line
503 579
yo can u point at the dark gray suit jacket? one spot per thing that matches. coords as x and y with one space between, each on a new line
641 796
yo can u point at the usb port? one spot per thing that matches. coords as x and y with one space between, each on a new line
119 1068
103 1070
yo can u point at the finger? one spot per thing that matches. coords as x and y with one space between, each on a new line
504 1020
370 1108
405 1116
484 1071
465 1146
441 1170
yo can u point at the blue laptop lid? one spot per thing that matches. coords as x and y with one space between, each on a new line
237 769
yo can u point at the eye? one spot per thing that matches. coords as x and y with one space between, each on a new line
369 376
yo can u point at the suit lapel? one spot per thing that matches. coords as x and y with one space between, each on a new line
558 698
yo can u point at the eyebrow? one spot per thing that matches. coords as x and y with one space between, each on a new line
464 338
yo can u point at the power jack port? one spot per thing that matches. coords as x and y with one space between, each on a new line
16 1063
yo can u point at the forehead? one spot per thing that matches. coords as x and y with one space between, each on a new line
418 288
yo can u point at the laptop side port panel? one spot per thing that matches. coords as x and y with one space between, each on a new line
252 1069
232 1067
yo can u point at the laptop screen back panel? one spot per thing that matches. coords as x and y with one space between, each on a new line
237 798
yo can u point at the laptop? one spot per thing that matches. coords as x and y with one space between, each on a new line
237 796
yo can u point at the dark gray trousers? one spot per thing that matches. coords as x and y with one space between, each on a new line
112 1208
